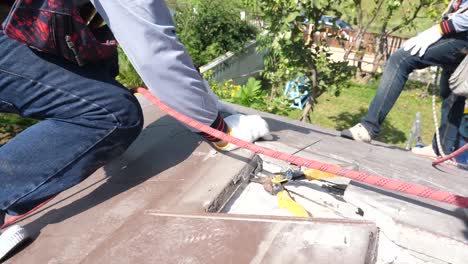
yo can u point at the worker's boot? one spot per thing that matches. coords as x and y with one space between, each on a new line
11 237
427 151
357 133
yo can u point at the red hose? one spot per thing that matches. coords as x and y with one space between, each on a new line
15 219
374 180
452 155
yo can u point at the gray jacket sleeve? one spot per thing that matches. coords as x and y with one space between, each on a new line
146 32
460 22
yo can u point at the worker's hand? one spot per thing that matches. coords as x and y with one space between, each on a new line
245 127
423 40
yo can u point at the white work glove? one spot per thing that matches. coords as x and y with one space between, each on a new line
246 127
423 40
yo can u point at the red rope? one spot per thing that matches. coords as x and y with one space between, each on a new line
15 219
452 155
375 180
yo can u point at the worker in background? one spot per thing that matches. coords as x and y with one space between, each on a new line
441 45
87 118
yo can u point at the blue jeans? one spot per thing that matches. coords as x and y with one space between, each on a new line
87 119
446 53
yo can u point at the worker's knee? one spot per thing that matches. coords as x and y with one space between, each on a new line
130 120
130 114
121 110
403 61
399 57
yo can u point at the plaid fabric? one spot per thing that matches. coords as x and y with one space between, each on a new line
456 5
57 27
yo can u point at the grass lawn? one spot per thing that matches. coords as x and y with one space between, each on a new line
10 125
347 109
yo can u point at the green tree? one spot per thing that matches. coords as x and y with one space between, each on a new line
211 28
291 51
408 12
364 17
207 28
252 8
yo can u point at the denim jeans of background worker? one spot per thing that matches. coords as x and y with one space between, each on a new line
441 45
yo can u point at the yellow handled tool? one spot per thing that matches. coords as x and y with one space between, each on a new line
285 201
274 184
312 175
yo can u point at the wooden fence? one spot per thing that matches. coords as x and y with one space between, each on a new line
370 41
369 48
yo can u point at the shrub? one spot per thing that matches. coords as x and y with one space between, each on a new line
250 94
128 76
209 29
